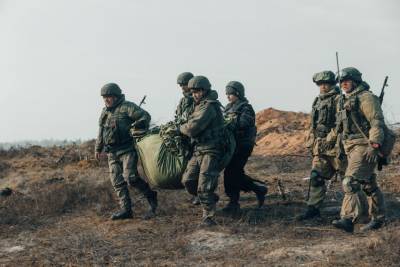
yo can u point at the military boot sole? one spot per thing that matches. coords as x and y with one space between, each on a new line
371 226
121 217
347 227
208 223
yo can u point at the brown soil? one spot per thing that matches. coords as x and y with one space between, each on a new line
59 214
281 132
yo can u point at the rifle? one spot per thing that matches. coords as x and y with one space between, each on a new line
341 101
383 90
143 101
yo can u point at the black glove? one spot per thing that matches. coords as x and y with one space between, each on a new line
372 154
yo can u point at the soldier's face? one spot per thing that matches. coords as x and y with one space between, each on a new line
324 88
185 88
109 100
232 98
347 86
197 95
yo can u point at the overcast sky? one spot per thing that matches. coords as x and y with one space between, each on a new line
56 54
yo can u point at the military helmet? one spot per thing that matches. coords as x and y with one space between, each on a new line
326 76
199 83
111 89
235 88
184 78
351 73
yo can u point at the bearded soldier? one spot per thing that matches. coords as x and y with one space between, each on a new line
322 142
362 125
243 117
185 106
119 122
205 128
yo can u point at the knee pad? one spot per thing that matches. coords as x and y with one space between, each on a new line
370 187
350 185
316 180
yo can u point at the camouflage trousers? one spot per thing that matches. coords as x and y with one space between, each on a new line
360 185
201 179
123 171
326 167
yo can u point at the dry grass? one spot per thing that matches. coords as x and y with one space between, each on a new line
60 217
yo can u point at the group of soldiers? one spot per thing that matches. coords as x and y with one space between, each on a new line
335 141
345 137
201 117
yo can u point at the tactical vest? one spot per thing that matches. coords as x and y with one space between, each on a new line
323 114
116 125
351 113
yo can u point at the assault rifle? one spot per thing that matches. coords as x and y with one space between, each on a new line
383 90
143 101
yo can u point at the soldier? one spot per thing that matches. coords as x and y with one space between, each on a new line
362 126
205 128
185 107
120 120
321 141
235 179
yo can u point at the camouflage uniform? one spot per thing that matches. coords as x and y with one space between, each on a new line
186 104
204 127
361 108
322 143
360 175
235 178
116 127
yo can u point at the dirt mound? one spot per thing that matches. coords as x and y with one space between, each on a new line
281 132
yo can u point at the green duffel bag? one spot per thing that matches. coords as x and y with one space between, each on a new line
162 168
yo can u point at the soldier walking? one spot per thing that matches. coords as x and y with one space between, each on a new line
243 118
322 142
120 120
362 126
205 128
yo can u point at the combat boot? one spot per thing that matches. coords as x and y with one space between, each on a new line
195 200
311 213
344 224
372 225
122 214
153 204
261 190
232 207
208 222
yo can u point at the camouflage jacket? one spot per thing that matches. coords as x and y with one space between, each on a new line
116 125
323 123
363 108
184 109
205 125
245 121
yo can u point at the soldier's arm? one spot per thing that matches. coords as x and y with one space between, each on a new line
247 119
371 108
200 122
99 140
178 111
141 118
